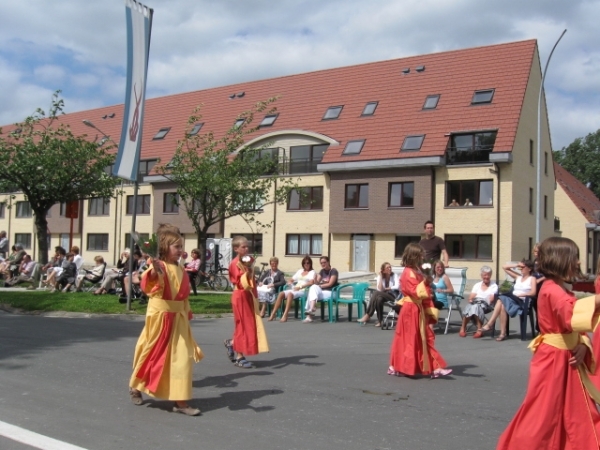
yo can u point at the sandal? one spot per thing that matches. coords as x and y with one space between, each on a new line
135 396
187 410
462 333
230 352
243 363
441 373
500 338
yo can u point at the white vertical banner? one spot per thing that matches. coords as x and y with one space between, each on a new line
139 24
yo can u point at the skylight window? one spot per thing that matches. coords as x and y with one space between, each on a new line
333 112
431 101
370 109
196 129
161 133
268 120
239 123
354 147
483 96
412 143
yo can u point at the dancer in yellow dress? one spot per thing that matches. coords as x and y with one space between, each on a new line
165 351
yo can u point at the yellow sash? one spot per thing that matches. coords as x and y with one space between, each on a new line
422 329
261 335
569 341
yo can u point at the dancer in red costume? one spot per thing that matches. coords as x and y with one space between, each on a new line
249 337
413 350
559 410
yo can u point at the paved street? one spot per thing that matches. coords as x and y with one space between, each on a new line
323 386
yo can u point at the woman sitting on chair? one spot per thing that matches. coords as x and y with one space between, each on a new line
269 282
387 291
304 278
480 300
511 304
441 284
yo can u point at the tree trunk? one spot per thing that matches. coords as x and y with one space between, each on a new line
41 225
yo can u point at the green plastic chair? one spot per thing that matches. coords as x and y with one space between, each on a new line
357 297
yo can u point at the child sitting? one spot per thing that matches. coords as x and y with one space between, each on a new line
67 277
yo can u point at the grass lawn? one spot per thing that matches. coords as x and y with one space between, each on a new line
213 304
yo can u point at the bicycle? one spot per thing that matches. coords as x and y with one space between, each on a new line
215 280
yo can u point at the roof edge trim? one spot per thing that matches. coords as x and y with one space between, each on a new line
382 164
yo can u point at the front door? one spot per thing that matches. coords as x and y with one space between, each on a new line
362 244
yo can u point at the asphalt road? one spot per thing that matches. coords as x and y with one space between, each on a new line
323 386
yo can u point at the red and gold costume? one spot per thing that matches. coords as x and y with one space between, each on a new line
558 411
165 351
249 337
413 348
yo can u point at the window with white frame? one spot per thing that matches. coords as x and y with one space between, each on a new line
304 244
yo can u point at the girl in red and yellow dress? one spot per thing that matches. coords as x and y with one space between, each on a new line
559 410
166 350
249 337
413 350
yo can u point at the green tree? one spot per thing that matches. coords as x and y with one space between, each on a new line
582 159
42 158
222 178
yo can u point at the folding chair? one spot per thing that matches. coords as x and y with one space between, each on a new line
458 278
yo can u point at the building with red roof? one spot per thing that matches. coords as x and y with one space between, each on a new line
379 148
577 212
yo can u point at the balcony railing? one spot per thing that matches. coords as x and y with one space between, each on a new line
468 155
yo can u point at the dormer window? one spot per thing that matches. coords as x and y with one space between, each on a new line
333 112
413 143
484 96
161 133
196 129
369 109
354 147
431 101
238 123
269 120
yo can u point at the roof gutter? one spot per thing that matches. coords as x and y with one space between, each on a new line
382 164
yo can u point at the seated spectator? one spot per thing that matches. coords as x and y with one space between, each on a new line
511 303
482 296
454 203
93 276
468 202
388 288
67 276
113 274
139 265
3 245
25 272
11 265
302 279
5 265
78 259
321 289
441 285
54 267
268 283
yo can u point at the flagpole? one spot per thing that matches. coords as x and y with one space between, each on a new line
132 243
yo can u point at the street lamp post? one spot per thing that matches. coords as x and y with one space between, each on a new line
538 220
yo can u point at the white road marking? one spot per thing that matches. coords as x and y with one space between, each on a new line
34 439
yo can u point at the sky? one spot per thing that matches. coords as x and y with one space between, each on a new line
80 47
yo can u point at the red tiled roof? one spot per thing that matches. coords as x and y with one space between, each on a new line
304 98
583 198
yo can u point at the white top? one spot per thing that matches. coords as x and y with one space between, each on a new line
78 260
394 282
484 294
522 287
303 279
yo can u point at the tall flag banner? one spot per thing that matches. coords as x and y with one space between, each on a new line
139 24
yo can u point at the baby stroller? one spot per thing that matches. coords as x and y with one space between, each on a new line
389 320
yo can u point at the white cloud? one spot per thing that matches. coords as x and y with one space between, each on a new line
198 44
